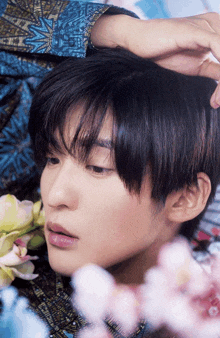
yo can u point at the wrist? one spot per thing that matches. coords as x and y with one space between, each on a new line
112 31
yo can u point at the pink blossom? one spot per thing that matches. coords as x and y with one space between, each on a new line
180 294
124 308
94 331
93 287
97 297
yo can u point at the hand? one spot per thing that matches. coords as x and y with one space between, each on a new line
180 44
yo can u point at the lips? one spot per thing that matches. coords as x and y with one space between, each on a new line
58 229
60 237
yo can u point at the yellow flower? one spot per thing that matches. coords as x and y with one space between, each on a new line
21 228
6 242
14 215
38 214
15 262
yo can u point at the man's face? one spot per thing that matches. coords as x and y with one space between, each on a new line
90 215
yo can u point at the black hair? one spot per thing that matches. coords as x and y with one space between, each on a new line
163 121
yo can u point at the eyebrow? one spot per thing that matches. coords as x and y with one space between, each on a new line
104 143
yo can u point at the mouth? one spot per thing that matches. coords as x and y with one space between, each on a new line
60 237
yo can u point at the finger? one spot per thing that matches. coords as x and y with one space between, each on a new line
205 40
214 44
210 22
197 39
215 99
210 68
211 19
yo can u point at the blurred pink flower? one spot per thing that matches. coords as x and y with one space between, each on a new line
94 331
178 293
181 295
124 308
97 297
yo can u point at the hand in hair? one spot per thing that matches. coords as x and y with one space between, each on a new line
179 44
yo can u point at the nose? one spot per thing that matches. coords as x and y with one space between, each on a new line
63 187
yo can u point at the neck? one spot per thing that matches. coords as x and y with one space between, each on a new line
132 270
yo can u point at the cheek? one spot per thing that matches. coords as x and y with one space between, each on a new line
119 218
43 184
119 232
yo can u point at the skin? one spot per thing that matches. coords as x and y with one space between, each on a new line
117 230
180 44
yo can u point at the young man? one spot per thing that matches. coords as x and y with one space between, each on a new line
130 157
37 36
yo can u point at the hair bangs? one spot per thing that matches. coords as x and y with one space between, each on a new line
132 131
58 136
87 130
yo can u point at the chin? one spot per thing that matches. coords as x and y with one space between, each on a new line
61 268
61 265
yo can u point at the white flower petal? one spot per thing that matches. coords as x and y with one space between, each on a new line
93 287
124 310
27 267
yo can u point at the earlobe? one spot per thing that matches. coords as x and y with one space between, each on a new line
189 202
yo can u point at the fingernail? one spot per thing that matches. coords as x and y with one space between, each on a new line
215 105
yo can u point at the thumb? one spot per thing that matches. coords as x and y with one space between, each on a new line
211 69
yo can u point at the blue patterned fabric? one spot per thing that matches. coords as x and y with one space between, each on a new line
3 5
66 36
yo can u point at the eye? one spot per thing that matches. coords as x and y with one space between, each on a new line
52 160
99 170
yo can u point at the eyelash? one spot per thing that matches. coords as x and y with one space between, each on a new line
52 160
97 170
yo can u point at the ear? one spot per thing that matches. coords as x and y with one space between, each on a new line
189 202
